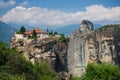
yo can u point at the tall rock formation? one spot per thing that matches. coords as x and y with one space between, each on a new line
50 49
86 26
76 49
86 45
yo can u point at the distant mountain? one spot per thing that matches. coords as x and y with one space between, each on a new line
97 26
67 30
18 26
6 32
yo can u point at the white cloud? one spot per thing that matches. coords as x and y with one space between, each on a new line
42 16
4 4
100 13
24 3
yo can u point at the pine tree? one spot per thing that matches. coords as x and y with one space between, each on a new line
22 29
34 34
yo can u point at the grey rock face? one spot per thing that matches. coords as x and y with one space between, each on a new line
86 46
35 50
76 49
86 26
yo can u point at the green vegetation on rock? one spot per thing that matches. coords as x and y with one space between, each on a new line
52 33
102 71
22 30
63 38
104 28
34 34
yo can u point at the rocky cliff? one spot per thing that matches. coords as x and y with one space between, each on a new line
87 45
50 49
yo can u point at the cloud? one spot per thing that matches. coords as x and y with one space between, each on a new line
42 16
4 4
100 14
24 3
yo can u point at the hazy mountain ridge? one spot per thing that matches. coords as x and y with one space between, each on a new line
6 32
65 29
69 29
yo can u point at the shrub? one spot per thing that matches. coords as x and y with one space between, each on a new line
104 71
63 38
7 76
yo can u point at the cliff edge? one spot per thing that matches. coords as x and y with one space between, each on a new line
87 45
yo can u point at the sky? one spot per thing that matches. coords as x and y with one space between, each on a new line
59 12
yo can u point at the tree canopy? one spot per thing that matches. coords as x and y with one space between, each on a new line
63 38
103 71
22 29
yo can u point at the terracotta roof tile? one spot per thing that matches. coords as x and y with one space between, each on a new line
37 30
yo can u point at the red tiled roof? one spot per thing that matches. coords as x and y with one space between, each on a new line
28 32
37 30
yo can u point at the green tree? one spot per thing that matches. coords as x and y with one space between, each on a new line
63 38
7 76
34 34
47 30
51 32
55 33
3 53
103 71
22 29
